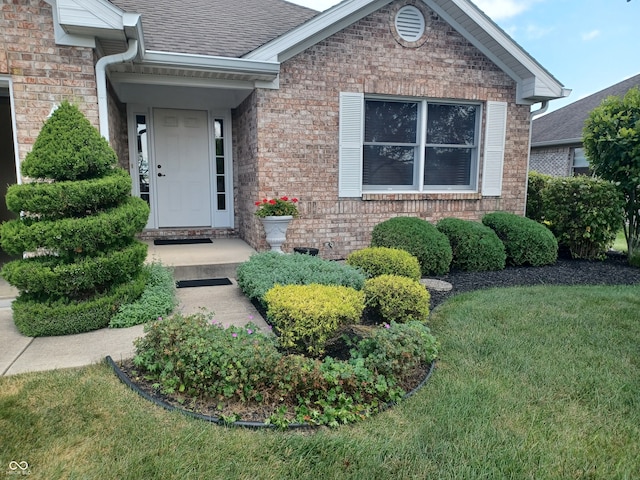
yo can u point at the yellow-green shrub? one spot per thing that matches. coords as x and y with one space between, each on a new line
391 298
306 316
376 261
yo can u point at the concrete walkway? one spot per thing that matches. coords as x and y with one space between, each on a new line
20 354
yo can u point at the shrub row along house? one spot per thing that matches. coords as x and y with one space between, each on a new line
369 110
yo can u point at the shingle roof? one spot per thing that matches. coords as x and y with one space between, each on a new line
565 124
228 28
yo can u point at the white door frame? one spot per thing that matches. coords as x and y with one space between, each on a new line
219 218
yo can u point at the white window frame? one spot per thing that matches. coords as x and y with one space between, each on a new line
421 146
492 141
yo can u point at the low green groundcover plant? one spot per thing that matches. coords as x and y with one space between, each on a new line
199 360
157 300
264 270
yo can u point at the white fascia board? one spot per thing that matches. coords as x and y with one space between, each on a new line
544 84
207 62
98 14
567 142
63 38
173 81
315 30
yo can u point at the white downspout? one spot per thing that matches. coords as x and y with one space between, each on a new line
101 81
532 115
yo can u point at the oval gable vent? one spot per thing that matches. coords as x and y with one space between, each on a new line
409 23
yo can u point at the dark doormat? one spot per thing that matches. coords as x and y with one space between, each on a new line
206 282
184 241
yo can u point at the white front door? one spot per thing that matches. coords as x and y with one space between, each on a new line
182 162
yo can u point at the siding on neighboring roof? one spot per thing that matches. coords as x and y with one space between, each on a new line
228 28
566 123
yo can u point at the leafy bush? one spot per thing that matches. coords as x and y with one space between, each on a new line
535 185
195 357
157 299
375 261
68 148
526 241
264 270
113 228
391 298
584 213
70 198
306 316
398 349
419 238
51 276
475 246
35 318
189 355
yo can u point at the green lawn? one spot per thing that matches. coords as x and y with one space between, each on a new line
620 243
539 383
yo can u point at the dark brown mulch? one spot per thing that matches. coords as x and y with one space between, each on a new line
614 270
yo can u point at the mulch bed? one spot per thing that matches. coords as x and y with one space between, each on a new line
614 270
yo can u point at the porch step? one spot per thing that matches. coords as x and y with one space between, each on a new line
198 272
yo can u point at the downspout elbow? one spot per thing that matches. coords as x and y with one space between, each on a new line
101 82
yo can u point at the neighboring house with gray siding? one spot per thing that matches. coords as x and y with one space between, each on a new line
369 110
556 138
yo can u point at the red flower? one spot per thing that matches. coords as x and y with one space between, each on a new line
272 201
258 204
294 200
284 198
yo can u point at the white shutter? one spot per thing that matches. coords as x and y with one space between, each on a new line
494 139
350 144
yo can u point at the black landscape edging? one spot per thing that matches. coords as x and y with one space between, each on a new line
246 424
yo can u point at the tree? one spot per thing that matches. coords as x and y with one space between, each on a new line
77 223
611 138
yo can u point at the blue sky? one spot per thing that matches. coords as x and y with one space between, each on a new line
587 45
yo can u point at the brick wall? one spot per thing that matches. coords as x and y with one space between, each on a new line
554 161
43 73
297 140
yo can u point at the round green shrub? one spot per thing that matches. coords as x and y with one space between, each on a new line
35 318
376 261
584 213
68 148
391 298
306 316
418 237
475 246
526 241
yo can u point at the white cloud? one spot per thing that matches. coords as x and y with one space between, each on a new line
535 32
590 35
502 9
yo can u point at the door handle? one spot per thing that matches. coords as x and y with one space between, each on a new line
161 175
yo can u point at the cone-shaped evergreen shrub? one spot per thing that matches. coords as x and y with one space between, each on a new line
78 225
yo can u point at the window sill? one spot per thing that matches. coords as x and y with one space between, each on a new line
421 196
